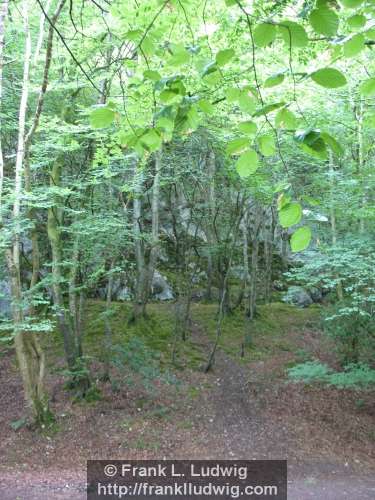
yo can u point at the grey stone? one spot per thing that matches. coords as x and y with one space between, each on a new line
5 299
160 288
316 294
298 296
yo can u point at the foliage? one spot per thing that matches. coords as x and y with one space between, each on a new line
354 376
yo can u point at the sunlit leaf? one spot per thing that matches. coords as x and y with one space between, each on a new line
300 239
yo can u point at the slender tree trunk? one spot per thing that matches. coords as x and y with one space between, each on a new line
254 263
140 286
155 209
361 163
268 256
211 171
29 353
3 15
332 215
54 236
107 323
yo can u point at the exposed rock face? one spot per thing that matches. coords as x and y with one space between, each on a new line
316 294
298 296
161 289
5 300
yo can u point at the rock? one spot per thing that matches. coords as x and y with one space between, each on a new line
160 289
316 294
279 286
123 294
5 300
298 296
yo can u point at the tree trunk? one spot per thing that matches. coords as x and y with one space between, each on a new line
29 353
54 236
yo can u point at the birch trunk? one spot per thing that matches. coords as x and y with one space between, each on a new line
29 353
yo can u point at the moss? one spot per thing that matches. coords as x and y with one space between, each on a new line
269 333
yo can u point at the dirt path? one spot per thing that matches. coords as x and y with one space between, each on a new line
234 417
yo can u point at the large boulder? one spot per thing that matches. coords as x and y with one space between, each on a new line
298 296
5 299
316 294
160 288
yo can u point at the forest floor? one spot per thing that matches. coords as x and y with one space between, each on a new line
243 409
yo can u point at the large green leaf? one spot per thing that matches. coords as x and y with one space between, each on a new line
354 46
268 108
237 145
224 56
152 75
232 94
290 214
367 88
264 34
332 143
248 127
293 34
357 21
247 163
274 80
152 140
206 107
101 117
324 21
300 239
267 145
330 78
285 119
247 103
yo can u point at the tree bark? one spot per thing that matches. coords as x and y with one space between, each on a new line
29 353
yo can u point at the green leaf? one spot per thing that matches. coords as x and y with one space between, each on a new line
193 118
351 4
267 145
370 34
300 239
148 47
247 103
247 163
151 139
290 214
101 117
212 78
367 88
248 127
264 34
206 107
152 75
274 80
232 94
168 96
329 78
268 108
332 143
180 56
165 123
357 21
354 46
285 119
293 34
237 145
224 56
133 35
324 21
